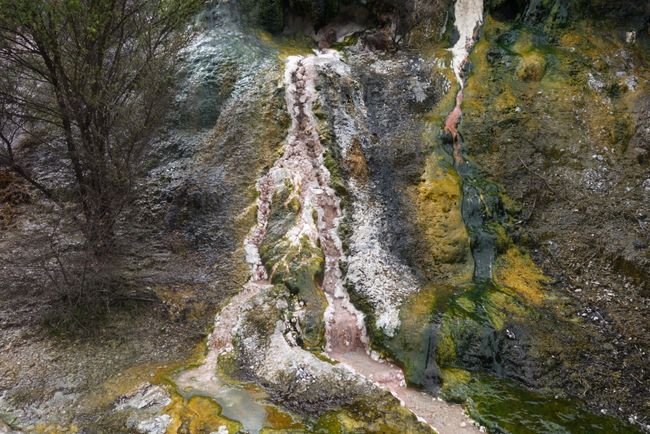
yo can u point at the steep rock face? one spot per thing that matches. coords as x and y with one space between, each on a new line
560 13
181 243
512 307
554 112
415 20
273 334
434 259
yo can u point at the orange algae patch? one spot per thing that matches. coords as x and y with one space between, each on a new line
571 40
505 100
43 428
532 67
277 420
356 162
517 271
197 415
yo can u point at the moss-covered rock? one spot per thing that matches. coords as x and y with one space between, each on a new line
531 67
505 407
297 265
382 414
301 271
557 138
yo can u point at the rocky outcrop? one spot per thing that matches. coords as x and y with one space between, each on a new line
561 13
403 21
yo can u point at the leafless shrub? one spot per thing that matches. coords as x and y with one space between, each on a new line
99 75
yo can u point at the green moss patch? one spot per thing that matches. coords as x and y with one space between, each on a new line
379 414
505 407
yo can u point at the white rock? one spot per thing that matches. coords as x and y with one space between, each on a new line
156 425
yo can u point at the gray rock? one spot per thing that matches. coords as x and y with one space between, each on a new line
146 396
6 429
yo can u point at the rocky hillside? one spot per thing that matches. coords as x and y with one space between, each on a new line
361 216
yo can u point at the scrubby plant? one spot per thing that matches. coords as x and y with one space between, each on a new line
98 75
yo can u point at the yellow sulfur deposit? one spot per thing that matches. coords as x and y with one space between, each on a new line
197 415
437 199
517 271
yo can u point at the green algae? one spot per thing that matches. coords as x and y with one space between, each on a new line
411 344
381 414
497 101
298 266
287 45
301 270
473 326
503 406
455 384
448 327
502 240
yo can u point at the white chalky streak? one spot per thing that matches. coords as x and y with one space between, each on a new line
469 16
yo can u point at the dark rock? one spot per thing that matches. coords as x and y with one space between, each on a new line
507 10
378 41
446 137
327 39
494 55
